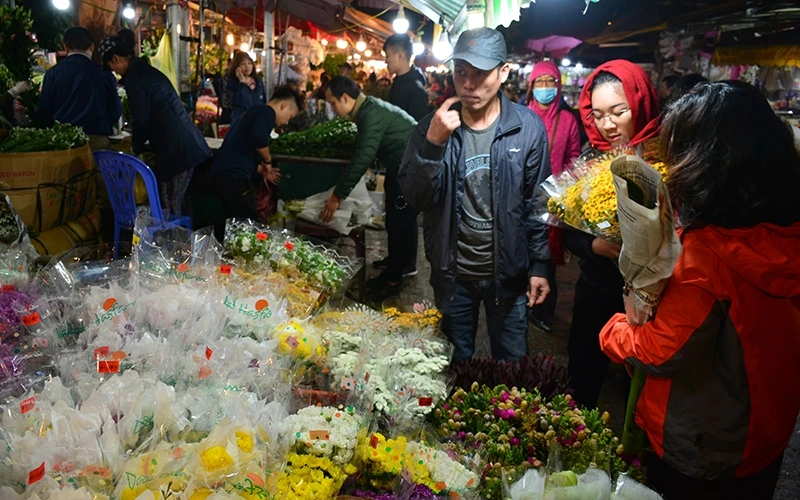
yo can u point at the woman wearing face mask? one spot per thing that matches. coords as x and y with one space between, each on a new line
563 141
620 109
243 90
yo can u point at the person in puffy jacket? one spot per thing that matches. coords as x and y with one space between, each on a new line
472 168
243 88
722 354
160 118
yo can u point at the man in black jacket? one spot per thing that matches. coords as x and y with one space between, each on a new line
408 93
159 117
473 170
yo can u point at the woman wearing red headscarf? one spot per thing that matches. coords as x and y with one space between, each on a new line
619 107
564 143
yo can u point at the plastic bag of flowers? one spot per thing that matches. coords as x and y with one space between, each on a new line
247 244
421 316
529 487
584 197
458 475
628 488
593 484
303 345
16 251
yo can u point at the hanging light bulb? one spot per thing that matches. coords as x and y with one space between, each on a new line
400 23
61 4
442 48
244 47
341 43
368 53
229 39
357 56
361 45
579 67
324 42
419 48
128 12
565 62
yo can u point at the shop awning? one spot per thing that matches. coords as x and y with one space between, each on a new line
776 55
373 25
434 9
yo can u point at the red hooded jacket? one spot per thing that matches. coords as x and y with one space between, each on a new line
722 355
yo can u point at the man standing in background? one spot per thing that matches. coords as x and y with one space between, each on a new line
79 92
408 93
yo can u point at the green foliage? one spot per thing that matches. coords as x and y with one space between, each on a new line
214 60
332 62
56 138
16 43
335 139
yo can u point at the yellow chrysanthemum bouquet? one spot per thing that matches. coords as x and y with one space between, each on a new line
584 197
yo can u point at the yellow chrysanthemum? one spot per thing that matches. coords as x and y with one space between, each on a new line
216 458
132 493
244 441
201 494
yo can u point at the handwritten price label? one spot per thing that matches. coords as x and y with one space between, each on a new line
27 405
36 475
209 353
108 366
425 401
319 435
225 269
261 236
31 319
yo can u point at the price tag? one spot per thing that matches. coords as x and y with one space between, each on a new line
209 353
261 236
108 366
27 405
102 352
319 435
205 372
183 267
36 474
373 441
9 288
289 245
292 342
425 401
225 269
31 319
136 239
313 294
348 384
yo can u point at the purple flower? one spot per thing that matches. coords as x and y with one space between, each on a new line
581 427
636 463
498 413
518 401
493 401
514 441
445 406
462 435
504 397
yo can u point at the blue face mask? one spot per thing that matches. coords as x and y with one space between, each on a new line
545 96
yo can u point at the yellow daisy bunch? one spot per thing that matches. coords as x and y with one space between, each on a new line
384 459
415 320
308 477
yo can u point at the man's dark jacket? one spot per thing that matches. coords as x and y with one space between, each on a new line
160 117
408 93
432 179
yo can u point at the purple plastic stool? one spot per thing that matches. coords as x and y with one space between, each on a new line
119 173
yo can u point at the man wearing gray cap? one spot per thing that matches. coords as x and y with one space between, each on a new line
473 171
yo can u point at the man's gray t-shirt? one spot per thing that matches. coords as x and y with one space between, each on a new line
475 258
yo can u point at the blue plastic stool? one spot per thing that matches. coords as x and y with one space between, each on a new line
119 173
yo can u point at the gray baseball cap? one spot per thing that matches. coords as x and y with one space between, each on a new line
483 48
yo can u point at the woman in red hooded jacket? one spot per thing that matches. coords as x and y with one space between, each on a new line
722 355
619 108
564 144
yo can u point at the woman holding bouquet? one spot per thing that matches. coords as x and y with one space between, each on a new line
722 355
619 107
564 144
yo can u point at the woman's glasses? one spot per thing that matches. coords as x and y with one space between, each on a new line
615 117
544 83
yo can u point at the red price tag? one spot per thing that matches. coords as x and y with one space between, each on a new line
319 435
183 267
373 441
224 269
102 352
425 401
27 405
289 245
31 319
9 288
36 474
209 352
108 366
261 236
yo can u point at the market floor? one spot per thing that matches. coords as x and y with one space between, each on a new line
613 397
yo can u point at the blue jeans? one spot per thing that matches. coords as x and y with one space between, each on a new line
506 321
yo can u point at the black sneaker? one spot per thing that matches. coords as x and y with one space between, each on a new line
409 271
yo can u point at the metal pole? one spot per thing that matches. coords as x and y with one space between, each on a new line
174 18
269 59
201 52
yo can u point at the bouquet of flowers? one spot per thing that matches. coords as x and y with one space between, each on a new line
584 197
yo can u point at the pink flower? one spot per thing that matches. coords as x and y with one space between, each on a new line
514 441
504 397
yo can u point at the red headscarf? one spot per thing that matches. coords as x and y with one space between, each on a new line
642 98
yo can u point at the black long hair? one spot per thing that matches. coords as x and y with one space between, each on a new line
733 162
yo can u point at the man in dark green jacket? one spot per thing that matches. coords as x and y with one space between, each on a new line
383 133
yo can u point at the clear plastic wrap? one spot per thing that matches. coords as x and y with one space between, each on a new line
628 489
